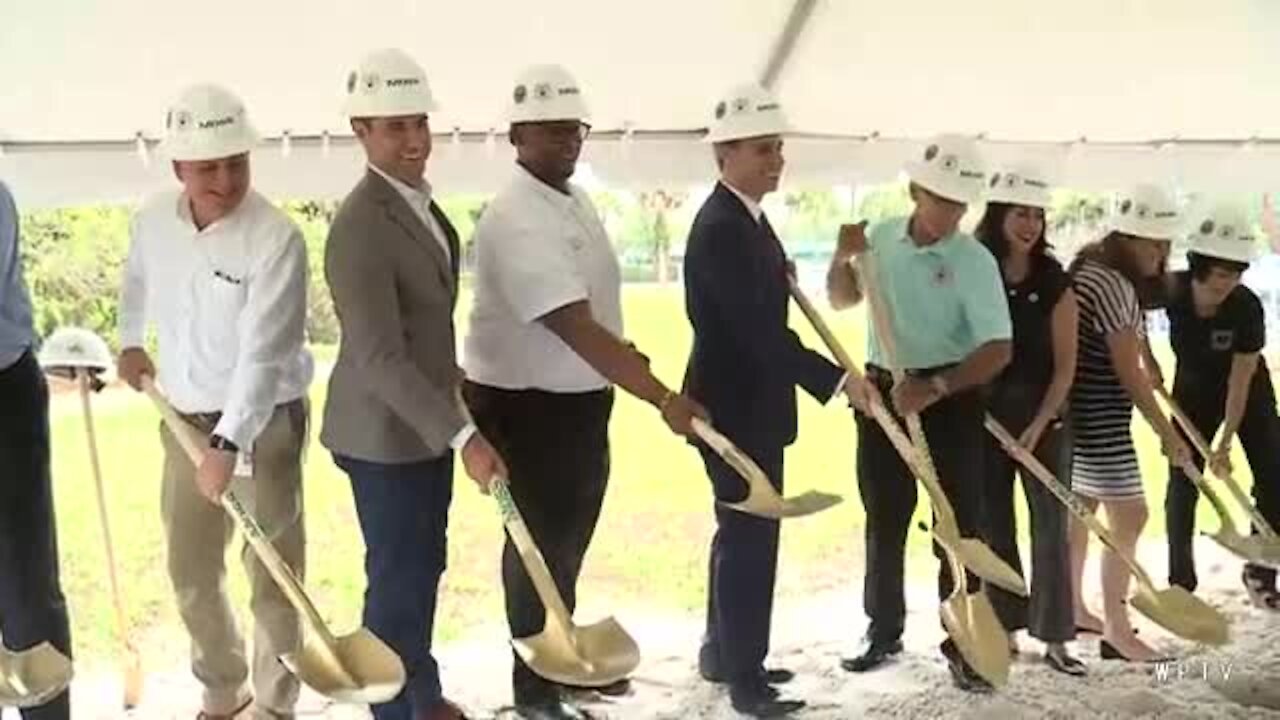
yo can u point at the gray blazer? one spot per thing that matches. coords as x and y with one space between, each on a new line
391 395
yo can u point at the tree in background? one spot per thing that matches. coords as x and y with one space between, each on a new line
73 260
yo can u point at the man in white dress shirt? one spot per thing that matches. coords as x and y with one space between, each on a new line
221 274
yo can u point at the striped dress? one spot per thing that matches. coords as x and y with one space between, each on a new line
1104 464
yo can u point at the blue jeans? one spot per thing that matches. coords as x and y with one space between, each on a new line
32 607
404 514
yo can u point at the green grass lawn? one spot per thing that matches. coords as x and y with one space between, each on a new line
649 551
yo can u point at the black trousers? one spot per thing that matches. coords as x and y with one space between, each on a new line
888 489
742 570
32 607
1259 435
556 446
1048 614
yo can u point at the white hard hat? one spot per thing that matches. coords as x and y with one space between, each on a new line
1147 211
950 167
71 348
1225 233
1022 185
207 122
545 93
388 83
747 110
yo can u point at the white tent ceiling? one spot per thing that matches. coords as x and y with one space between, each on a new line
1161 90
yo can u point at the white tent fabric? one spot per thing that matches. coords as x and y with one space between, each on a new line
1168 90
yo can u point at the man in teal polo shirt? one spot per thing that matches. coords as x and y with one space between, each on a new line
952 335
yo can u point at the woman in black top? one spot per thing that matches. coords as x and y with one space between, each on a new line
1217 330
1028 398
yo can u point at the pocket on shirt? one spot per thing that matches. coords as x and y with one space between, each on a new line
221 301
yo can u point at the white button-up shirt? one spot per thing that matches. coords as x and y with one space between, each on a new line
756 211
229 307
538 250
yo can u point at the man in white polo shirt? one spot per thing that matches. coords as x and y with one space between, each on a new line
221 274
543 353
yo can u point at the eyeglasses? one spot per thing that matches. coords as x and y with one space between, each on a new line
565 132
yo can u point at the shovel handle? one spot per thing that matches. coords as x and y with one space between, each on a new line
906 449
897 437
732 456
86 381
1202 447
534 562
888 345
1028 460
253 534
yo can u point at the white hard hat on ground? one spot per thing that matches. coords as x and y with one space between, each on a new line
951 167
1225 233
207 122
1021 185
388 83
71 348
1147 211
546 93
746 111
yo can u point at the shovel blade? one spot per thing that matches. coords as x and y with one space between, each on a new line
972 623
766 502
376 669
588 656
982 561
1184 615
1253 548
33 677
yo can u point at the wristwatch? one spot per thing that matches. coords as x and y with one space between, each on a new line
217 442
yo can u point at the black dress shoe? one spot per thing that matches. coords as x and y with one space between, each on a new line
772 676
613 689
875 655
550 710
964 676
757 699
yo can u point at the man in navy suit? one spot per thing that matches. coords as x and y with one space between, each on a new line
744 367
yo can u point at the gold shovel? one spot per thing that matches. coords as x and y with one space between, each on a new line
1173 609
583 655
357 668
969 618
133 675
1263 548
32 677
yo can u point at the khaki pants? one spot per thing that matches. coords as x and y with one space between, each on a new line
198 533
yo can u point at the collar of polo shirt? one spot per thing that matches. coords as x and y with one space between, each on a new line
564 200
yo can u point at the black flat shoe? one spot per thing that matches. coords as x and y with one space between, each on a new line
965 677
1109 652
1059 660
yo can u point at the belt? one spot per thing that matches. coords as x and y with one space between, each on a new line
881 376
209 420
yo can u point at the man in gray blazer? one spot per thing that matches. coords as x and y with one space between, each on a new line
391 420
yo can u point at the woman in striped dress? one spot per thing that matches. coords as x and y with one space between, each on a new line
1110 380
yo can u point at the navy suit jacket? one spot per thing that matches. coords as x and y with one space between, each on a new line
746 361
